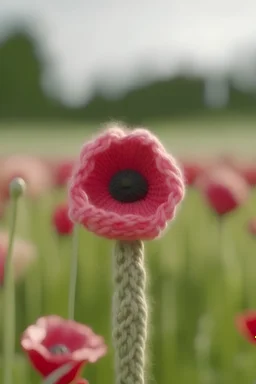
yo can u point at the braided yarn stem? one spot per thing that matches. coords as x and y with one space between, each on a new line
129 312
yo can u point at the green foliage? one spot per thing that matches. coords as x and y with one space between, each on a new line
195 288
22 97
20 83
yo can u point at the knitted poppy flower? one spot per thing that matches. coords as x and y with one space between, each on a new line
246 325
53 342
224 189
61 221
125 186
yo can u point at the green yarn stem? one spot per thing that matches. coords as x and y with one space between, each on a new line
73 273
9 303
129 312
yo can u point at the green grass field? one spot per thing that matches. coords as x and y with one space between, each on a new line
199 277
202 136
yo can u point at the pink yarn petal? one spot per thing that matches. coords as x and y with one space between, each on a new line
91 202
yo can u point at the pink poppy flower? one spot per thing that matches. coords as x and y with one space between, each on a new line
246 325
249 173
24 253
63 172
125 186
191 170
53 342
224 189
33 170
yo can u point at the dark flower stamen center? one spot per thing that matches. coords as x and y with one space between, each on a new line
128 186
59 349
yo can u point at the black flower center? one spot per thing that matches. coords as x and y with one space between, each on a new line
128 186
59 349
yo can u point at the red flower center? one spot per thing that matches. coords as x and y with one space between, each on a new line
59 349
128 186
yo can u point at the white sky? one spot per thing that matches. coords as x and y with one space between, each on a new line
106 43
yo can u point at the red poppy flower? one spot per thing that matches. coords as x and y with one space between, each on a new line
53 342
224 189
246 325
125 186
61 221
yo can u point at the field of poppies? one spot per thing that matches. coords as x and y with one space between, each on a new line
201 285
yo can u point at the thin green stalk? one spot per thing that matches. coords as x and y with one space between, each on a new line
16 190
230 297
33 280
58 374
73 273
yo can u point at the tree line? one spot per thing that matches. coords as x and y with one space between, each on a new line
22 97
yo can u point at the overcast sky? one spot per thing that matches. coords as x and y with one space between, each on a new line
108 42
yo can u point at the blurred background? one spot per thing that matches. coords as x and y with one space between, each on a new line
185 69
189 67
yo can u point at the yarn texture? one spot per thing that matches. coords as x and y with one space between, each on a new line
96 179
129 312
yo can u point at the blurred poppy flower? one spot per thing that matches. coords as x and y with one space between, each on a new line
252 226
249 173
224 189
125 186
53 342
24 253
63 171
228 160
192 171
61 221
33 170
246 325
